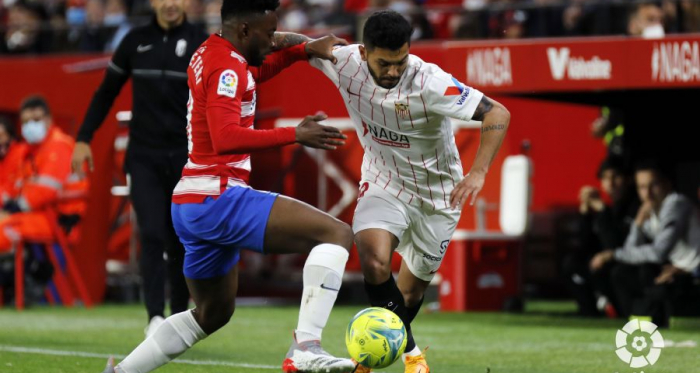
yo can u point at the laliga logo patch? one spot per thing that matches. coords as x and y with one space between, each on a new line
639 343
228 82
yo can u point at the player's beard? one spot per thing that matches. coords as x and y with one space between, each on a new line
383 82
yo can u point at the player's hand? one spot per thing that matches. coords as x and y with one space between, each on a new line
600 259
81 154
667 274
314 135
470 185
643 213
323 48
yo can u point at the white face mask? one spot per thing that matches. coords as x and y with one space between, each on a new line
653 32
115 19
34 131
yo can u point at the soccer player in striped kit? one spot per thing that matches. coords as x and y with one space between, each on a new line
412 187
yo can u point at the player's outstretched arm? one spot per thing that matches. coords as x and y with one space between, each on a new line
494 119
290 50
314 135
284 40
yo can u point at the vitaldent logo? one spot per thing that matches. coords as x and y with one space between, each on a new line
639 343
562 64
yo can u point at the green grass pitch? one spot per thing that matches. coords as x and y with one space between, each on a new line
544 339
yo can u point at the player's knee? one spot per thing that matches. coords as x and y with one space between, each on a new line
340 234
374 269
213 317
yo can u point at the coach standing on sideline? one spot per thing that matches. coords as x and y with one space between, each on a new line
156 56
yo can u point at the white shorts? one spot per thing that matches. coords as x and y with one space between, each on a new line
423 234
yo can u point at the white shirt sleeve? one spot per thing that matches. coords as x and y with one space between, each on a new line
341 53
447 96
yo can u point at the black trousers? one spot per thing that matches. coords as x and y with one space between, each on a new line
631 283
153 178
585 285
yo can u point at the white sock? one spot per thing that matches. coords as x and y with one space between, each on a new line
178 333
323 275
415 352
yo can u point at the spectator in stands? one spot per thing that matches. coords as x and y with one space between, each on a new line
602 225
646 20
666 230
37 181
212 16
116 20
24 33
94 36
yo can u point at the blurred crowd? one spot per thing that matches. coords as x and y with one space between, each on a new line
45 26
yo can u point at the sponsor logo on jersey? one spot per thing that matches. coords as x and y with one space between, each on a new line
228 82
458 89
386 136
401 110
562 64
489 67
443 246
432 258
676 62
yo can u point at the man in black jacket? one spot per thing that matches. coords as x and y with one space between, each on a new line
601 226
156 57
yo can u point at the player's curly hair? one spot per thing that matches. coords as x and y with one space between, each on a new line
244 8
386 29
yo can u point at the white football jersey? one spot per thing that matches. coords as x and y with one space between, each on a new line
405 131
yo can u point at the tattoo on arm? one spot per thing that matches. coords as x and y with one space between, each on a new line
484 107
288 39
494 127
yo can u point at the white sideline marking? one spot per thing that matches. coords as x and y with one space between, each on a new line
43 351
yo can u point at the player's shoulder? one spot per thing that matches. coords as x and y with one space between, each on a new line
217 56
347 54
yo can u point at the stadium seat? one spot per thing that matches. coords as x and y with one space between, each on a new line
66 278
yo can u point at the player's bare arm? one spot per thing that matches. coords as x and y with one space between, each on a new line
285 40
494 119
320 48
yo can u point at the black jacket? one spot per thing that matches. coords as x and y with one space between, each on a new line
157 62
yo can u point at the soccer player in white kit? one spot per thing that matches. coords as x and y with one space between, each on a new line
412 187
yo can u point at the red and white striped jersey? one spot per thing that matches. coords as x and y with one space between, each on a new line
220 114
406 132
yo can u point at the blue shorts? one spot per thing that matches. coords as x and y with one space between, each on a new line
214 231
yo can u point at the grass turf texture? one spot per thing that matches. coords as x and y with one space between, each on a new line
545 339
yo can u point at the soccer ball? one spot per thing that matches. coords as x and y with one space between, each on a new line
376 337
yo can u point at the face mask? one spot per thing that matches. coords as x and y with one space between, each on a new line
114 19
653 32
34 131
75 16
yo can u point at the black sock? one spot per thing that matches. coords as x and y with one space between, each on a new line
412 312
387 295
